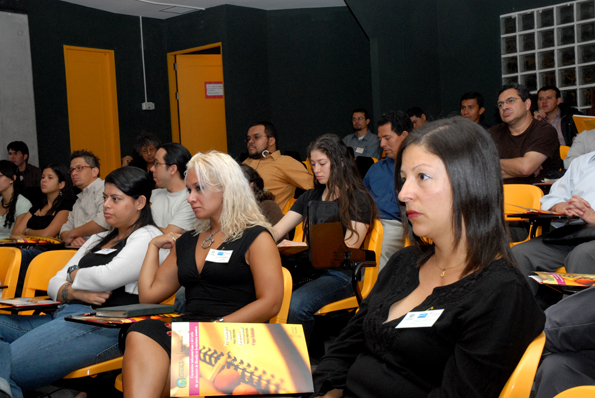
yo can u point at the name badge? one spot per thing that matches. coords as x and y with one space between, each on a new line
219 256
105 251
419 319
359 150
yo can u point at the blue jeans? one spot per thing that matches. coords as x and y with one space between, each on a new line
330 286
45 348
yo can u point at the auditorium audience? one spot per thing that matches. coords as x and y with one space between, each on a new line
144 151
363 141
14 205
480 315
551 110
27 174
336 180
472 108
248 287
86 217
418 116
104 272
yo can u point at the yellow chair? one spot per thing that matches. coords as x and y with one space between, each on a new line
521 195
288 205
578 392
10 265
564 151
281 317
43 268
373 242
520 382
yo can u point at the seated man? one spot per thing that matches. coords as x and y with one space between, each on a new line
417 116
573 195
363 142
281 174
583 143
29 175
393 128
86 217
553 111
529 149
570 339
169 204
472 108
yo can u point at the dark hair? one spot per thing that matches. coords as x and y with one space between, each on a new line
257 184
269 130
554 88
360 110
89 157
344 179
415 111
66 194
473 167
176 154
473 95
133 182
19 146
9 169
399 121
523 91
146 139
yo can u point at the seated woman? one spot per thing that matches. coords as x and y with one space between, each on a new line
103 272
264 198
14 206
335 179
47 217
248 288
480 313
145 148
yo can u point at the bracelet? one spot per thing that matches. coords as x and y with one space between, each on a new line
26 231
65 293
216 320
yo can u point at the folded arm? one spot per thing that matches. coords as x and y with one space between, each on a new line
524 166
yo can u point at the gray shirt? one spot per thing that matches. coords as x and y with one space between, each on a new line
172 208
88 207
583 143
368 145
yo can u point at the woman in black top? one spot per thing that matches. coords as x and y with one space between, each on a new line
450 316
245 287
335 179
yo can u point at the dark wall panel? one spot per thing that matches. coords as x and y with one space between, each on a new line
319 70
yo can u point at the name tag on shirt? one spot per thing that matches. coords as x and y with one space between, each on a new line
105 251
419 319
359 150
219 256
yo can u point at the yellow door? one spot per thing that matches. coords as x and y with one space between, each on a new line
201 102
93 104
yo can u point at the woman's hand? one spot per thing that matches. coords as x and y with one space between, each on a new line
290 243
95 298
165 241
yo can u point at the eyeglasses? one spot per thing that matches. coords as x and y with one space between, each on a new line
353 119
147 150
156 163
508 101
78 168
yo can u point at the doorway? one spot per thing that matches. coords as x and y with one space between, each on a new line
197 98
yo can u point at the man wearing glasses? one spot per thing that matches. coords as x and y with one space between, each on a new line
281 174
529 149
86 217
363 142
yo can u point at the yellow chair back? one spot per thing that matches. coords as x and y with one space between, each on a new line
288 205
10 265
43 268
520 382
578 392
564 151
283 313
521 195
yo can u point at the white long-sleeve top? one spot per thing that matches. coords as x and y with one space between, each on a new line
123 270
578 180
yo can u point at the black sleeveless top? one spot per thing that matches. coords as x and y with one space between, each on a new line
220 288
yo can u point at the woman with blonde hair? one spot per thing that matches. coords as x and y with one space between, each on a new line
246 288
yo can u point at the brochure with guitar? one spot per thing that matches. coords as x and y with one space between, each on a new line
209 358
578 281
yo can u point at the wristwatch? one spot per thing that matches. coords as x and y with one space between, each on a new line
70 270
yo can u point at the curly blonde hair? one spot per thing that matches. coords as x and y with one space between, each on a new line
218 171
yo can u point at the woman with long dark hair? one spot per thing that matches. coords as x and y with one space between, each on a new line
451 315
335 179
14 205
103 272
47 217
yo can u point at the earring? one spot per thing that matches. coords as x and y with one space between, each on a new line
60 194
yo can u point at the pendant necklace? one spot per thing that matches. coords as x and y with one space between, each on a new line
444 269
209 241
